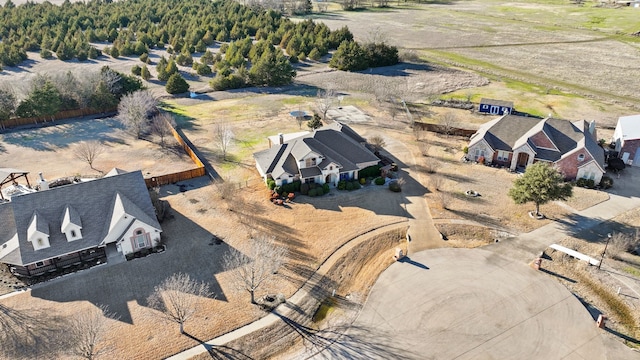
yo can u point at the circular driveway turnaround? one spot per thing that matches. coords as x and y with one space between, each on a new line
469 304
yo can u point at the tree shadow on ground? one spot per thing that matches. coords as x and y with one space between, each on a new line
31 333
189 250
557 275
347 342
593 230
220 351
61 134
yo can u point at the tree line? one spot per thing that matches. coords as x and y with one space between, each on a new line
49 94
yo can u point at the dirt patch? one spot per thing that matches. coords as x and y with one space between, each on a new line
467 236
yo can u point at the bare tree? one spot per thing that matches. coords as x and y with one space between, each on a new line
448 120
87 331
621 243
324 100
437 182
432 166
444 200
223 136
88 151
135 110
262 259
377 142
177 297
161 126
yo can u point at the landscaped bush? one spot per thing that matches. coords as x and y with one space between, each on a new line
349 186
379 181
314 192
289 188
363 181
342 185
371 171
296 185
304 189
325 188
355 185
279 190
271 184
606 182
394 186
586 183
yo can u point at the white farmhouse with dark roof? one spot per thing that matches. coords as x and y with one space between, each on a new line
518 141
327 155
49 230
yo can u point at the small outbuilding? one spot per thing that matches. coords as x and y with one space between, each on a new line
495 107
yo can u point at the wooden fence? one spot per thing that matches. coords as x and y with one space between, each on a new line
181 175
65 114
441 129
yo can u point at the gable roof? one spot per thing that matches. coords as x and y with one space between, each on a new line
92 200
337 143
511 131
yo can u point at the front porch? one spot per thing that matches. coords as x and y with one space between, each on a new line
62 264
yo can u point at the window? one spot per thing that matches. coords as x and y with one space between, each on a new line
581 157
503 156
310 162
73 233
40 264
331 167
479 153
39 241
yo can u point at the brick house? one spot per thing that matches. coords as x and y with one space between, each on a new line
626 137
327 155
52 229
518 141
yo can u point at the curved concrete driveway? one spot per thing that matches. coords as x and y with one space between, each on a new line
470 304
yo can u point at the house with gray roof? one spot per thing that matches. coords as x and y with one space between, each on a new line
48 230
518 141
327 155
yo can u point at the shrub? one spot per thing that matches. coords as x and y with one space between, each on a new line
144 58
370 171
313 186
465 149
288 188
349 186
271 184
304 189
136 70
176 84
363 181
586 183
278 189
394 186
325 188
296 185
342 185
379 181
313 193
606 182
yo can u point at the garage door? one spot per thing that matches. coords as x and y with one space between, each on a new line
636 159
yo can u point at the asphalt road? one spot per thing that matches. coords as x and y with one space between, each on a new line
472 304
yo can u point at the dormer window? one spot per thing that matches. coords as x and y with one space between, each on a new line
71 225
73 233
581 157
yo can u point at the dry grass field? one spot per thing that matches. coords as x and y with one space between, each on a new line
514 45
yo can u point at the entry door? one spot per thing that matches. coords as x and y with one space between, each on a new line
625 157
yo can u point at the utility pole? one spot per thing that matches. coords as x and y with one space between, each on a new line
604 251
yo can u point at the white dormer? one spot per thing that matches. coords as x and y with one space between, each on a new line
38 232
118 213
71 224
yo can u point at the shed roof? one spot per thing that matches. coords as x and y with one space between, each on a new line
630 126
496 102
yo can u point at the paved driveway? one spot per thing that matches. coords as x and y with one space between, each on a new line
471 304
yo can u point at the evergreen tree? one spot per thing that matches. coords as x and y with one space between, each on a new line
176 84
